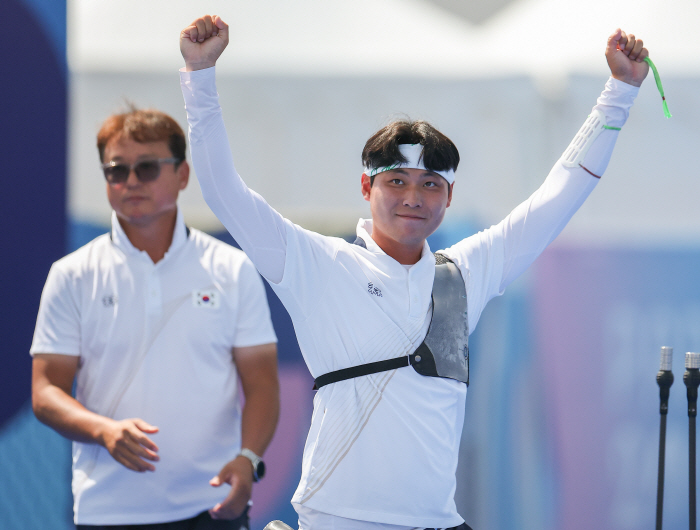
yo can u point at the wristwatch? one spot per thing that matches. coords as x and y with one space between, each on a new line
258 464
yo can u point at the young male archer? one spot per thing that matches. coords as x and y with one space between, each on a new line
382 448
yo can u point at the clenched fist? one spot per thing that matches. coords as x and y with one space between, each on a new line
625 55
203 41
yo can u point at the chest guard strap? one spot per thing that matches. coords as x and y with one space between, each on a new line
445 350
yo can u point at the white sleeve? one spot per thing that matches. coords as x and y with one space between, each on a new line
493 258
255 225
615 102
58 322
253 323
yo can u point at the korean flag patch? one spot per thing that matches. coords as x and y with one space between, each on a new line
206 298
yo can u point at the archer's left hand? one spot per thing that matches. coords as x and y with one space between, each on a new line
625 55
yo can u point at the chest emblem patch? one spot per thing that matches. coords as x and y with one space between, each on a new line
376 291
206 298
109 300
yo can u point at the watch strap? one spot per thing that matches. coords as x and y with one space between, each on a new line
254 459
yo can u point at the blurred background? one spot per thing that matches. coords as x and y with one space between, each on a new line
561 427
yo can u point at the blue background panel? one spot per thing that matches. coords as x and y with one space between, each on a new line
32 214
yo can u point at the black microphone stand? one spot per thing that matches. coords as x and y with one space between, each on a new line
691 378
664 379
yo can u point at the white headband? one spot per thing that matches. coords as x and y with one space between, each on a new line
413 153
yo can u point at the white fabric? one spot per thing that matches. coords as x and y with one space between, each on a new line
381 448
152 347
414 160
311 519
584 139
615 103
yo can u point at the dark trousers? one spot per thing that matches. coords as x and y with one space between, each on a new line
203 521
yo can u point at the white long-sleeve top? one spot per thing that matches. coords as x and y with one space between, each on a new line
383 447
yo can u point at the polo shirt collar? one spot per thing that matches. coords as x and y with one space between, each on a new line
121 241
364 231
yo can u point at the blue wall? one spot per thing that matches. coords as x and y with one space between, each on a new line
33 154
32 214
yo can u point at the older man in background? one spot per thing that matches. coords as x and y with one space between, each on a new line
155 324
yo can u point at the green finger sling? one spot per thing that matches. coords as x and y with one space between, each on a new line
667 113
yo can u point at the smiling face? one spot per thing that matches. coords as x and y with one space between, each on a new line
143 203
407 206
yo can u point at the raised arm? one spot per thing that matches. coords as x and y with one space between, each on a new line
535 223
500 254
257 227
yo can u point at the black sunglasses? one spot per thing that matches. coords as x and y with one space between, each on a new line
146 170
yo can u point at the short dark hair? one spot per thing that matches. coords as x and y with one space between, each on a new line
382 149
143 126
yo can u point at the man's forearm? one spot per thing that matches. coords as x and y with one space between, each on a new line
126 440
67 416
615 103
259 418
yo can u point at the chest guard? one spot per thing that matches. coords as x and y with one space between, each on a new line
445 350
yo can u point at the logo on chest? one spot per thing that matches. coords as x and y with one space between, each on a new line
206 298
376 291
109 300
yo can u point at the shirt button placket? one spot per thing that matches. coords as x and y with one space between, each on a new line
154 295
414 299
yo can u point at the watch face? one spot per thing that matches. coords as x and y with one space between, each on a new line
260 472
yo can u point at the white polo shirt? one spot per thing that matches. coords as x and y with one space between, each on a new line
381 448
154 342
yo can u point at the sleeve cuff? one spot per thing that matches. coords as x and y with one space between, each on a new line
616 101
54 349
618 94
204 72
197 77
622 87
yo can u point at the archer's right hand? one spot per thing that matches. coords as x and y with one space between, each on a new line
203 41
128 444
